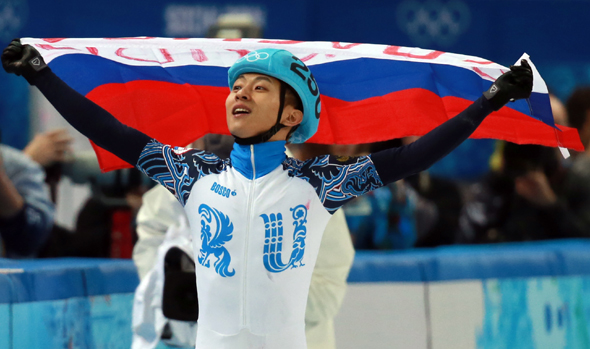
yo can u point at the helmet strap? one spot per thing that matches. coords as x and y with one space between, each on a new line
265 136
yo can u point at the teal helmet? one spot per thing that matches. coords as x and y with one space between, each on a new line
284 66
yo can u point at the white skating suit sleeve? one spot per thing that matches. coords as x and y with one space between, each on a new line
328 283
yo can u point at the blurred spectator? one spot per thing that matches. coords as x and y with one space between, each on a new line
391 217
49 147
388 218
559 111
578 113
419 211
105 226
531 197
578 110
440 202
26 211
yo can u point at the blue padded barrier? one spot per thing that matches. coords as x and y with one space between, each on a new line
547 258
387 267
115 276
489 262
6 289
87 303
6 295
66 302
46 284
63 278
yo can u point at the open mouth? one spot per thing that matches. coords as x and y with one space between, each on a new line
240 111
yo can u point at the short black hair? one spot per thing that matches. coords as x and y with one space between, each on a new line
577 107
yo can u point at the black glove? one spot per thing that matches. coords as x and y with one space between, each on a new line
22 60
510 86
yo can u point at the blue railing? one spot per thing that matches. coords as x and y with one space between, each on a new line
87 303
547 258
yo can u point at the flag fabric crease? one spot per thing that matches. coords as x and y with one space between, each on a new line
174 90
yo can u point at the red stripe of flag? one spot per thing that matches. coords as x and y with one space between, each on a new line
179 114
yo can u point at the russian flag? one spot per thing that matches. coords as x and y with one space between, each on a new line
174 90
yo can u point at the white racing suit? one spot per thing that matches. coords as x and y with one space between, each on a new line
257 223
160 227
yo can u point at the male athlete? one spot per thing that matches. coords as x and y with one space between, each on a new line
258 216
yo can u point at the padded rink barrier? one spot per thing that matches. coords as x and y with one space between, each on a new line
522 295
527 295
66 303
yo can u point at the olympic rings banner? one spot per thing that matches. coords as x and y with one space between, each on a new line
175 89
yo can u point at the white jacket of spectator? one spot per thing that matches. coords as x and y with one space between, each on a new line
160 210
148 318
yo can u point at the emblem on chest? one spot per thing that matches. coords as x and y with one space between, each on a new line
273 240
216 230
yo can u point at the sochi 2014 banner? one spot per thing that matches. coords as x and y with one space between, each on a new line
174 90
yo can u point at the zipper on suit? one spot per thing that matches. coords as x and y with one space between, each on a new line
249 222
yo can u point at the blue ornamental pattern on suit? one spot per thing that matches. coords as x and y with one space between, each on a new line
273 240
213 242
178 169
336 179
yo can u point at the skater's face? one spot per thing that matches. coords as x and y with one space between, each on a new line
253 105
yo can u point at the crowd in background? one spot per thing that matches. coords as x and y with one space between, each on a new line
530 192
